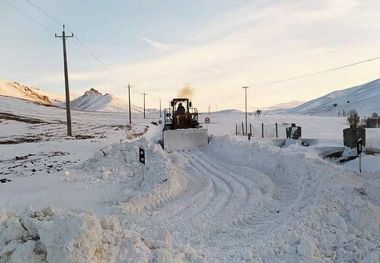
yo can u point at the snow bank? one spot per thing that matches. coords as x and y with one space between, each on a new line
62 236
326 214
144 186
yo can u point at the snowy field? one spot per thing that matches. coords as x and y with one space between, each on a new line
88 199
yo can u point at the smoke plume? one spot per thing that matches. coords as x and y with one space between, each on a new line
185 92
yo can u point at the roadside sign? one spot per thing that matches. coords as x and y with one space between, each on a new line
142 155
359 146
207 120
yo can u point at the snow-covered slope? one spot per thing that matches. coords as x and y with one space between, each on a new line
93 100
364 98
17 90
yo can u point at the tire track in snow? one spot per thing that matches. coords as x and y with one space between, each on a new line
221 189
239 190
201 190
247 215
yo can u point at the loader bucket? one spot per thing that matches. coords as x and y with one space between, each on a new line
184 139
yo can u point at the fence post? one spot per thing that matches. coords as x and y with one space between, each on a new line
262 129
276 130
250 128
236 129
242 128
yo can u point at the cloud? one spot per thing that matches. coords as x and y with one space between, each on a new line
156 44
256 44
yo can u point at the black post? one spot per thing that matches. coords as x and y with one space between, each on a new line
67 91
242 128
129 104
276 130
250 128
144 103
236 129
246 114
262 130
160 109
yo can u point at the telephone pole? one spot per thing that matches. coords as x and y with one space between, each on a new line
160 109
246 115
129 104
144 94
67 91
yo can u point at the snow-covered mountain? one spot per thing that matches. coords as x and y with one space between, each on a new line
17 90
93 100
364 98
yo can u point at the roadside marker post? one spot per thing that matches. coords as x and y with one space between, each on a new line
359 148
142 161
142 155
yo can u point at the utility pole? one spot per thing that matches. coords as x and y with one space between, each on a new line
129 104
160 109
67 91
144 94
246 114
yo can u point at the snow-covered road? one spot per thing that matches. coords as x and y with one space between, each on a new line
246 202
231 201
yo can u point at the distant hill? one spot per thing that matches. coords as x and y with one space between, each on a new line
281 107
93 100
20 91
364 98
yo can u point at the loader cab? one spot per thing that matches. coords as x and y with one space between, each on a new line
181 127
181 115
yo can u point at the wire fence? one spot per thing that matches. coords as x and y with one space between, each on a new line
262 130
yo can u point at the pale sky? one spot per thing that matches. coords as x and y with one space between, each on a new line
214 46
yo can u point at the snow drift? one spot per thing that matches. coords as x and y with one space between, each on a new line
144 187
324 214
64 237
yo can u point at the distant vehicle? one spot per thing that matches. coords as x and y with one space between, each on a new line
181 127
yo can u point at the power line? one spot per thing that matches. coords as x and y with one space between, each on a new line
28 16
91 53
44 12
56 21
317 73
106 67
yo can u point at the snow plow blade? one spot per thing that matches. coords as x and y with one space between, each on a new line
184 139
